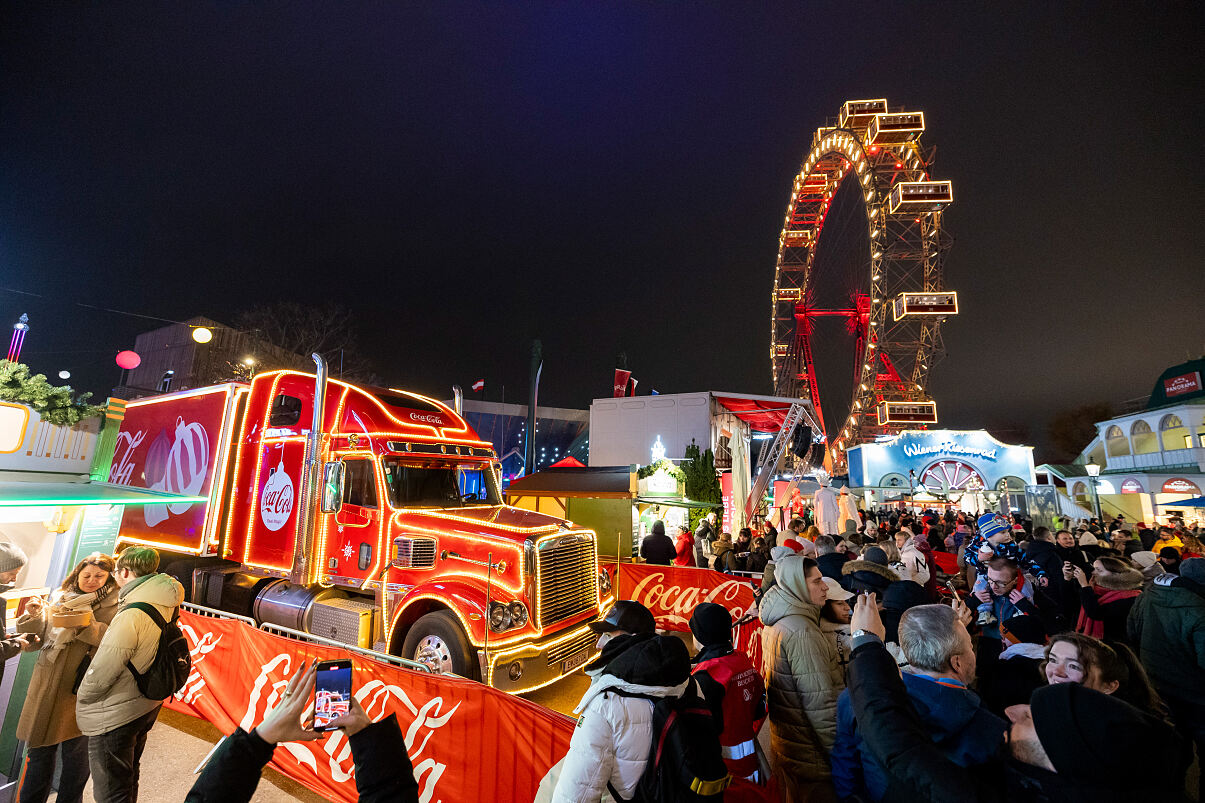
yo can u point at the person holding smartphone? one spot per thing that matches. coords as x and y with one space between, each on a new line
48 726
383 770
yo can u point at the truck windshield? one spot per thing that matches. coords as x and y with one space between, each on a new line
439 484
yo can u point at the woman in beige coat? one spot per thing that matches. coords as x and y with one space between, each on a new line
47 722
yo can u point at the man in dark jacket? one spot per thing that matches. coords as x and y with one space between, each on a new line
1054 744
1167 629
942 662
383 770
705 533
870 574
657 547
828 558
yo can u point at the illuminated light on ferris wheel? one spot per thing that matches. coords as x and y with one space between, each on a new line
883 282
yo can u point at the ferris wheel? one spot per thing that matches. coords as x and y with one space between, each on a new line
858 295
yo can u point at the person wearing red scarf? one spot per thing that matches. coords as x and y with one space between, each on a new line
1106 599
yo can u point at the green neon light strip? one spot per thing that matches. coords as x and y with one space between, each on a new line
19 494
69 501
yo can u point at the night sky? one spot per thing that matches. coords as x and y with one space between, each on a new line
608 177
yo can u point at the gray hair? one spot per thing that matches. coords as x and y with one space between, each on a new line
929 636
825 545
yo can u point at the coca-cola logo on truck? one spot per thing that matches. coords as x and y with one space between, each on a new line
427 418
276 504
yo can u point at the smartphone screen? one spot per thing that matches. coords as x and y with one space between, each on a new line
332 692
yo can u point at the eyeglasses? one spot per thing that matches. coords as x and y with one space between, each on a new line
1001 583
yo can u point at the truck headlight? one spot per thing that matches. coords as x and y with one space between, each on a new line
499 617
518 613
604 583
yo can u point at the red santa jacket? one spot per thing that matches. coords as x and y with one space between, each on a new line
744 708
685 547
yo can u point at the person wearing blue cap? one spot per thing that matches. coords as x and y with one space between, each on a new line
995 540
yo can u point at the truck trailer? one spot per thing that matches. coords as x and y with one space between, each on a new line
368 516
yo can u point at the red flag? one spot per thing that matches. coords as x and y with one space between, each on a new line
621 382
479 386
632 392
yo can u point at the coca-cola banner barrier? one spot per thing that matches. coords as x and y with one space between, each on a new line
462 737
673 592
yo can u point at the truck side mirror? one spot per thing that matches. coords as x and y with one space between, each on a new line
332 486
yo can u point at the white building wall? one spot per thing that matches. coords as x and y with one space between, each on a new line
622 431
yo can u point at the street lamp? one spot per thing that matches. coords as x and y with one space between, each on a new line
911 483
1093 473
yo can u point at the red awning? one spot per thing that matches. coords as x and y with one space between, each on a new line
568 462
762 415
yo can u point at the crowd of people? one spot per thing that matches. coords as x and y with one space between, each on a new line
86 715
911 657
984 658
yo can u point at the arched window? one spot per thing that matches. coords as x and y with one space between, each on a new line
1143 438
1175 435
1080 492
1116 443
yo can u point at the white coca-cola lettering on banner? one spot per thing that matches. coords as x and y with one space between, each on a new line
377 699
675 603
202 645
1179 485
276 503
1131 486
122 470
1185 383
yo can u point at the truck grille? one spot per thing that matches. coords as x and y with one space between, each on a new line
571 647
566 573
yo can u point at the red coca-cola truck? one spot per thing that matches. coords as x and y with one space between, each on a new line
373 517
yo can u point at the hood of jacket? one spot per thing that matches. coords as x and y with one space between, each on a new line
158 589
1023 649
642 663
870 567
1128 580
1173 591
789 596
946 711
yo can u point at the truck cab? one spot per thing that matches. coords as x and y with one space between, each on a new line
375 517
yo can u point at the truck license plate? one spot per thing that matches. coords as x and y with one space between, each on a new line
573 662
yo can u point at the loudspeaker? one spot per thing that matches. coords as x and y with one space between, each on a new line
816 454
801 442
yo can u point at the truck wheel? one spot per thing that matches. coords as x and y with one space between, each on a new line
437 640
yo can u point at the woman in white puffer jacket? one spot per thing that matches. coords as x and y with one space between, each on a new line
610 746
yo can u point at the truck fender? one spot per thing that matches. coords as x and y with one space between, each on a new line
467 601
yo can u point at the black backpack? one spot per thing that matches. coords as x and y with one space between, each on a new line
685 760
169 671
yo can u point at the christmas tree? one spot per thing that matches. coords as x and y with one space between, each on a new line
56 405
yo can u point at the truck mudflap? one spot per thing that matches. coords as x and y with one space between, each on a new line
517 668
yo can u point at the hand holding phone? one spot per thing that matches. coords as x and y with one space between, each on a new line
283 723
332 693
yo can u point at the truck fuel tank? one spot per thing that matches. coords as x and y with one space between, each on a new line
288 605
